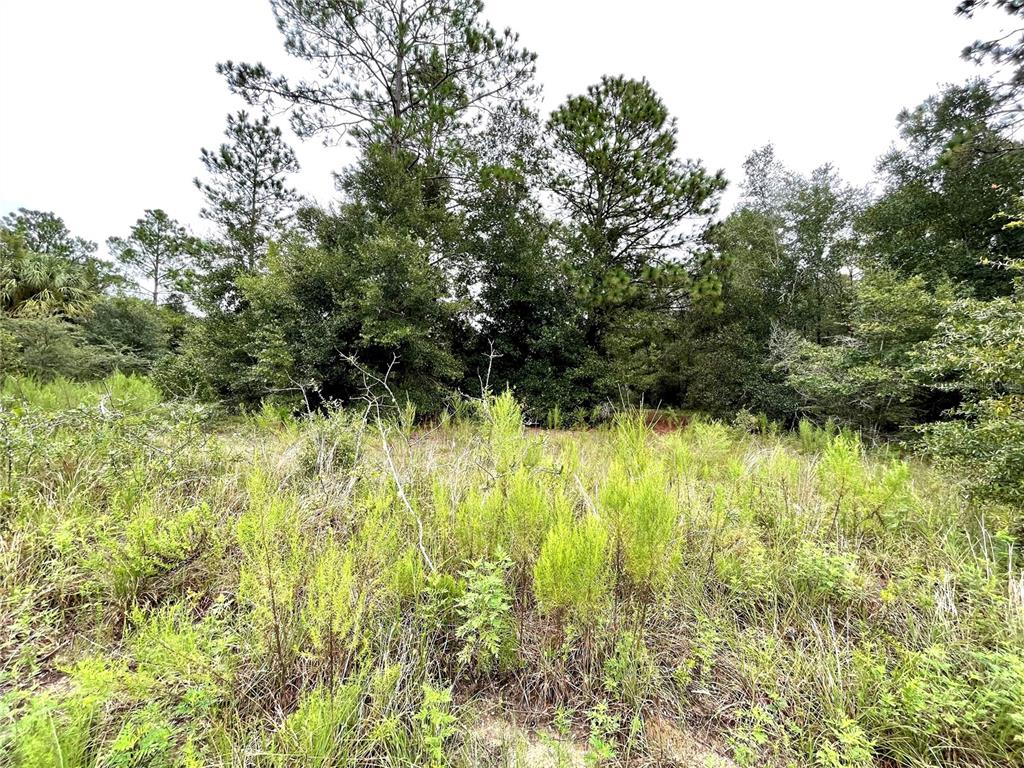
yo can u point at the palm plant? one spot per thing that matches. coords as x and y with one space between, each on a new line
39 285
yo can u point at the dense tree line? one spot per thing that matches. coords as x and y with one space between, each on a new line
578 260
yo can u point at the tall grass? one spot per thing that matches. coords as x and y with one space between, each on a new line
292 592
119 390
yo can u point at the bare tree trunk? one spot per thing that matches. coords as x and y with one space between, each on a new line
156 280
398 79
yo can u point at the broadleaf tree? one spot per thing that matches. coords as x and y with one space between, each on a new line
945 184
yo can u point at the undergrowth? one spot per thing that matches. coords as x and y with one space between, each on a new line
320 591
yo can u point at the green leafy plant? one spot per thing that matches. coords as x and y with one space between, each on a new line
437 725
485 613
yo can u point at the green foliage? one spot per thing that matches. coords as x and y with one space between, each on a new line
640 510
824 576
63 730
1003 50
331 441
40 284
157 253
783 258
276 590
315 306
130 332
46 233
871 380
53 321
843 605
937 690
485 616
190 659
246 197
630 674
603 726
436 725
621 178
150 544
45 348
45 270
811 438
87 724
534 505
627 194
977 351
503 426
440 260
393 87
803 228
321 732
849 747
529 337
125 393
571 573
333 604
955 170
145 740
743 566
272 570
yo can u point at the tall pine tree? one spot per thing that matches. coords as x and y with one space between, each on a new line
157 253
246 193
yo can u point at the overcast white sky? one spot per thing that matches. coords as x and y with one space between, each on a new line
104 105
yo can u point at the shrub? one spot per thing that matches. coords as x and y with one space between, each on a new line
744 566
532 508
436 726
333 604
47 348
146 739
50 733
571 573
630 675
825 577
503 426
643 518
129 559
970 701
811 438
478 521
330 442
119 393
849 747
66 729
976 352
190 659
273 415
275 553
841 474
130 331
